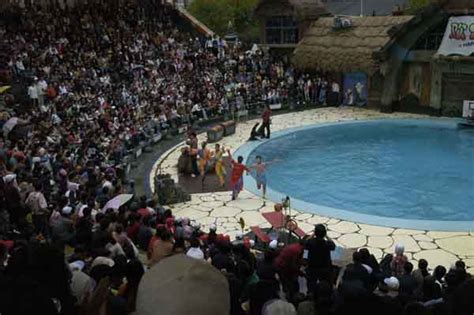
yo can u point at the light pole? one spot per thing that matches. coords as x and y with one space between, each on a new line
361 7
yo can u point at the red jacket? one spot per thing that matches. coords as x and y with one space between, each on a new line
238 170
266 115
288 261
132 231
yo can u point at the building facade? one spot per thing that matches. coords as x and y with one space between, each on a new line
346 50
400 57
440 80
284 22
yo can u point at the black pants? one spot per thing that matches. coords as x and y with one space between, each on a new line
266 127
290 286
194 165
335 99
40 221
316 275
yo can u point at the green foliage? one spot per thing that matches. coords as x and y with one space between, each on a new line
416 5
216 15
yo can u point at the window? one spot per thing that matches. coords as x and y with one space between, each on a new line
281 30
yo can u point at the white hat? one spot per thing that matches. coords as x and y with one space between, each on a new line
100 260
9 178
195 253
278 307
399 249
72 186
239 236
212 227
252 243
77 265
273 244
392 283
67 210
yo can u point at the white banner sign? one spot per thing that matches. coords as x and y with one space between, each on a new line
459 37
468 109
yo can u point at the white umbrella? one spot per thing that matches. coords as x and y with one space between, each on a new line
9 125
117 201
254 49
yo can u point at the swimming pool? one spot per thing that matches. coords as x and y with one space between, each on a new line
399 173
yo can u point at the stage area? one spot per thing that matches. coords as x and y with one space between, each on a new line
438 247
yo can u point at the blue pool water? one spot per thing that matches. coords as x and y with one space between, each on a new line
403 169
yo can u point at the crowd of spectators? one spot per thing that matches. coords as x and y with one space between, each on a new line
101 80
189 271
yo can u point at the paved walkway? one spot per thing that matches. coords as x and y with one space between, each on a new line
439 248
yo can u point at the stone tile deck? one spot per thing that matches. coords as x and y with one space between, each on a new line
439 248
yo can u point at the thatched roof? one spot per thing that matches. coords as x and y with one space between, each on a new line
464 7
346 50
304 9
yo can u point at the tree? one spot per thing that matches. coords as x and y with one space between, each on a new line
216 15
416 5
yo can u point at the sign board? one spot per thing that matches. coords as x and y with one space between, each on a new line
342 23
459 37
355 88
468 109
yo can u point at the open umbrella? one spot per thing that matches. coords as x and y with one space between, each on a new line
9 125
117 201
342 256
4 88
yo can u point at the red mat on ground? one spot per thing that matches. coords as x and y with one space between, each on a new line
260 234
278 220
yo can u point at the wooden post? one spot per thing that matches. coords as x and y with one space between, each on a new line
391 86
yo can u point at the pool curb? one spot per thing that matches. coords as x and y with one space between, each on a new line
436 225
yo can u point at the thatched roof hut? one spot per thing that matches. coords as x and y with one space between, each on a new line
345 50
303 9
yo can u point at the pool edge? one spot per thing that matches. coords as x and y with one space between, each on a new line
347 215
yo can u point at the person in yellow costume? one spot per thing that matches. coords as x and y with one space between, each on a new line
205 156
219 164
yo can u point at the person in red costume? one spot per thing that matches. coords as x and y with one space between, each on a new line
236 179
266 121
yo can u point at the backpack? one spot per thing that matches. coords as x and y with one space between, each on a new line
385 264
32 202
